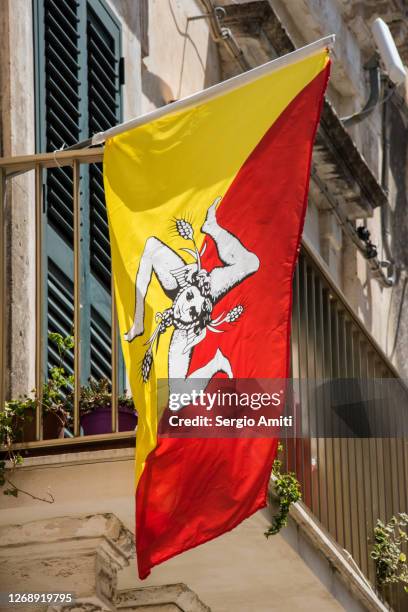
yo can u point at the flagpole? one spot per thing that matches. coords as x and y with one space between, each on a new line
219 89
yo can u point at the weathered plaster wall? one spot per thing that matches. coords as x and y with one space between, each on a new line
182 57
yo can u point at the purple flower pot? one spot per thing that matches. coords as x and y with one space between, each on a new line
100 421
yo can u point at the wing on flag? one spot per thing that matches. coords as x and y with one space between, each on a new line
206 205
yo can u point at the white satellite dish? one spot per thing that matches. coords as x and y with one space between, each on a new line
389 52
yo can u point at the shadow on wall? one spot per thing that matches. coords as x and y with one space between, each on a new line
213 58
398 136
157 91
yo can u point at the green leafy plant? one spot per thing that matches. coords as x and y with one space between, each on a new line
98 394
390 560
11 420
59 384
288 492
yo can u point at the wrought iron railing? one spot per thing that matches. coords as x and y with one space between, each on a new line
347 482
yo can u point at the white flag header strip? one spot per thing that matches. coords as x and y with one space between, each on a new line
218 89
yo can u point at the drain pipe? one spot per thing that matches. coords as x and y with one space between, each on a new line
385 229
373 66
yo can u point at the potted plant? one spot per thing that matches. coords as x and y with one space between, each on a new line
53 398
96 409
20 413
54 402
54 419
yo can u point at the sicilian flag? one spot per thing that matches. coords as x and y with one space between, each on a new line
206 202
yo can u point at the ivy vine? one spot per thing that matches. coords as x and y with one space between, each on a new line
390 560
288 491
17 412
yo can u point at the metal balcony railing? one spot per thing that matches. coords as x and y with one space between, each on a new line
347 483
12 167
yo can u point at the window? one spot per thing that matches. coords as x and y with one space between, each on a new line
78 93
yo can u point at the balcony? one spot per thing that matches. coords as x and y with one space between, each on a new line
72 360
347 483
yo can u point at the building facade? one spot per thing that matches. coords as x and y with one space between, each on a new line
70 68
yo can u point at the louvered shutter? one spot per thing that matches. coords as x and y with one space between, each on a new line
60 312
103 112
100 346
62 105
103 64
77 48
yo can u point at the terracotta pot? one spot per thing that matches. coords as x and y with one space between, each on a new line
53 425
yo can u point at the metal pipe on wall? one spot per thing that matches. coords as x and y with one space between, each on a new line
114 359
77 294
2 287
38 300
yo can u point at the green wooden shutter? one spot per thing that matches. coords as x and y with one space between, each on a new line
103 112
62 105
77 47
60 312
100 346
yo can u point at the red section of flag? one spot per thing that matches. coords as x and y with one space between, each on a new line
193 490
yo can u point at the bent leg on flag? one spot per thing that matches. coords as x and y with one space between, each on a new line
180 382
239 261
160 259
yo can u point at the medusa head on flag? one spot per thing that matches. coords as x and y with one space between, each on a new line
194 292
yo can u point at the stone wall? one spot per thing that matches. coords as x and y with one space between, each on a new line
17 137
